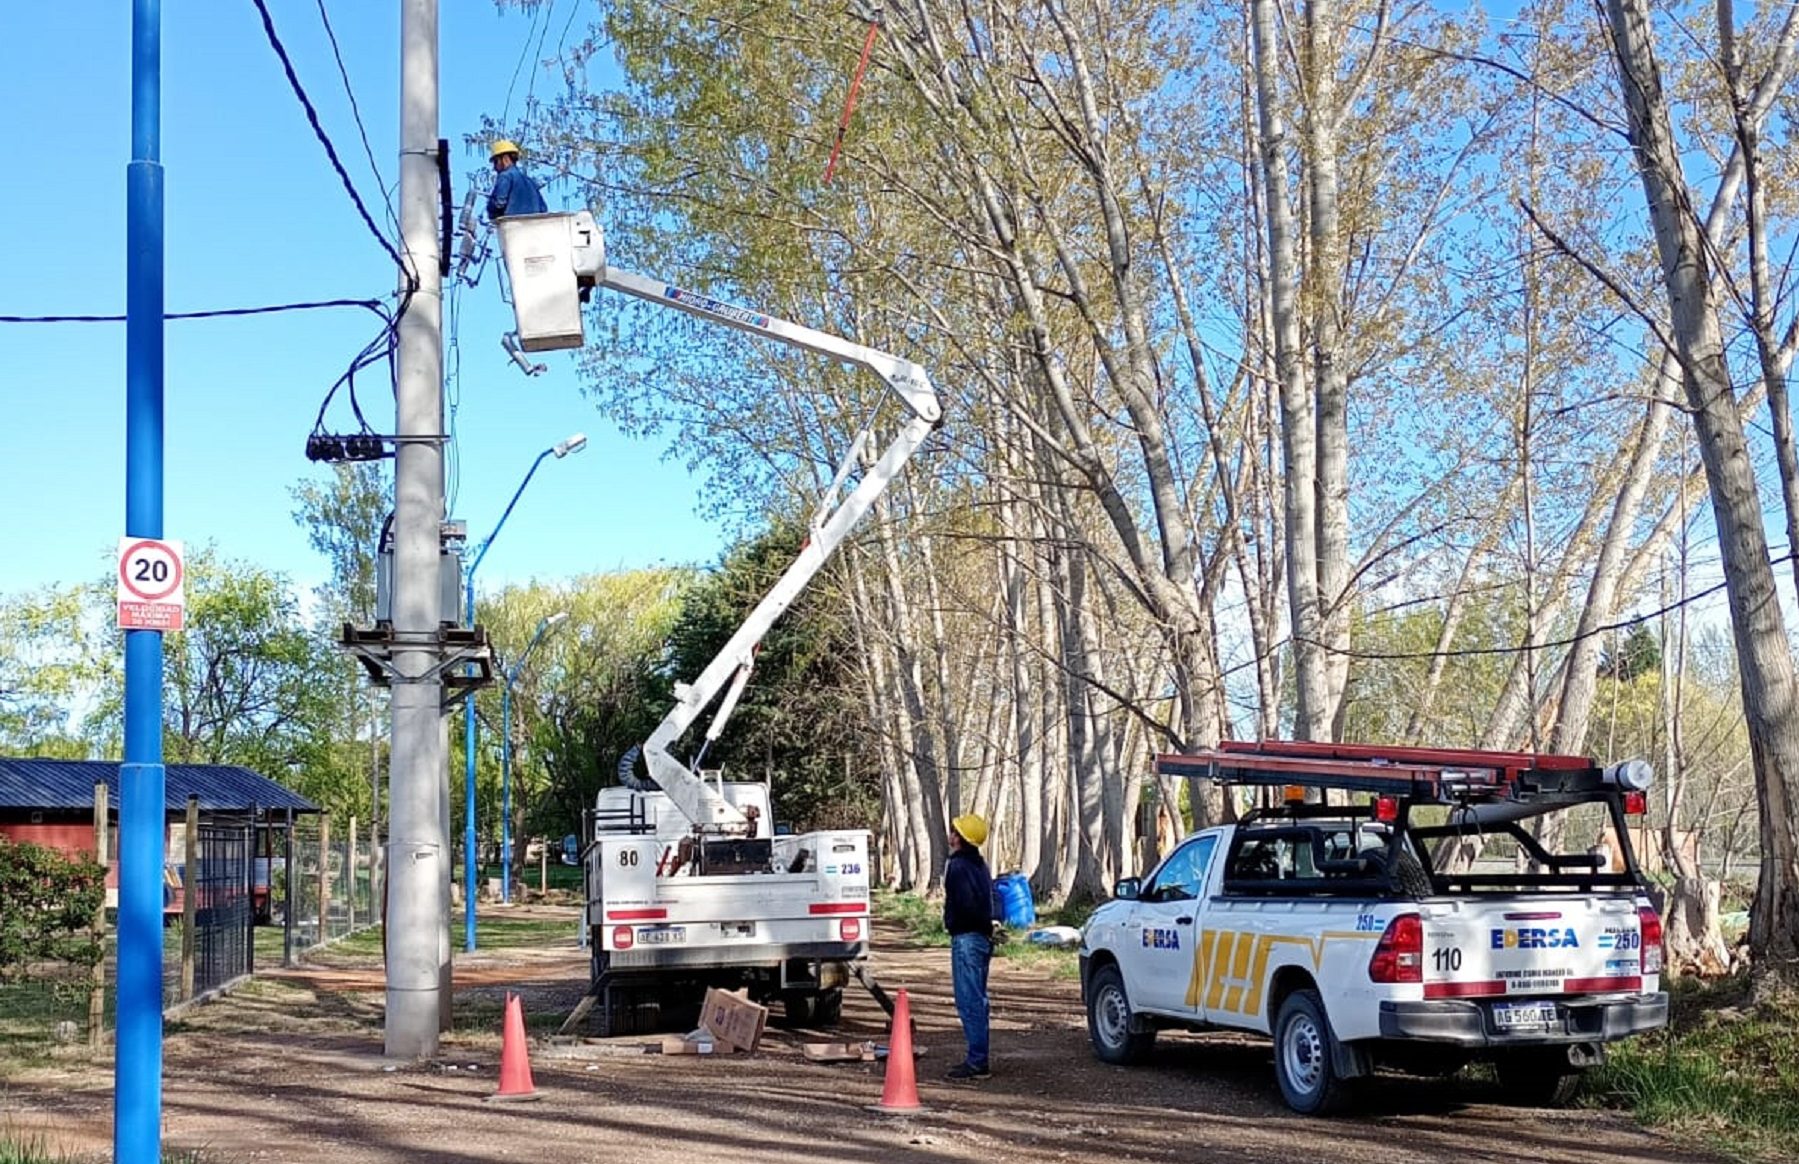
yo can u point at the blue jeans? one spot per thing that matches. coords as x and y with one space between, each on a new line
968 958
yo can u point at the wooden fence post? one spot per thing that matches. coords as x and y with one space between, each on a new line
96 999
290 900
190 897
350 887
324 879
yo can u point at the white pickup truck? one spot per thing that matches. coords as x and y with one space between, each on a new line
669 914
1420 929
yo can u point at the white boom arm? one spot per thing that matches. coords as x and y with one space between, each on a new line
730 668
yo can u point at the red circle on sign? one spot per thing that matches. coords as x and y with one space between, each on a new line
174 581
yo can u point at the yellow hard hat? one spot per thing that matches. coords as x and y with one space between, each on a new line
503 146
971 828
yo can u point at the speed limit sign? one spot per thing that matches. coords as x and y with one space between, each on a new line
151 578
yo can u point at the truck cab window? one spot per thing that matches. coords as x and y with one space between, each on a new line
1183 876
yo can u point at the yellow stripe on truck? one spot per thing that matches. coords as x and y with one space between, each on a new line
1230 968
1202 957
1220 959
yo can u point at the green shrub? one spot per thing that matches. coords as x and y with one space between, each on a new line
51 900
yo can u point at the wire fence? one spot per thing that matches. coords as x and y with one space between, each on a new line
338 866
277 884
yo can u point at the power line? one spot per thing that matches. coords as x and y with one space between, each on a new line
356 113
312 115
373 305
523 52
1471 652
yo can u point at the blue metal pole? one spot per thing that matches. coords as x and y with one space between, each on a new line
543 626
506 788
468 782
137 1068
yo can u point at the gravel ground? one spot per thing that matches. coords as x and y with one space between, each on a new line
289 1069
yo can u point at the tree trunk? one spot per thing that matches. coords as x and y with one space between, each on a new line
1764 654
1299 455
1330 377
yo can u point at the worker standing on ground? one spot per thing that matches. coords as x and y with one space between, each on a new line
968 916
514 192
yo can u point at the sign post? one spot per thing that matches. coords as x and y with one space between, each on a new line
152 595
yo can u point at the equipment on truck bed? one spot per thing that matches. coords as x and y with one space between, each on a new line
1486 793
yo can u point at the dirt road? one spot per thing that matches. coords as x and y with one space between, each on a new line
288 1070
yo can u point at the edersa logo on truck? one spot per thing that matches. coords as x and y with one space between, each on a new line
1535 938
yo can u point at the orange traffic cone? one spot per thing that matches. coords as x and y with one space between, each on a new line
899 1092
515 1059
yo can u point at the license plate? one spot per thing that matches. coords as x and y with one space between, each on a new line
660 934
1511 1016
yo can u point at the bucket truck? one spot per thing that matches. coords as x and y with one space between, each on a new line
687 882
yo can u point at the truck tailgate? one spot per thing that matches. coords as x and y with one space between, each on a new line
1532 946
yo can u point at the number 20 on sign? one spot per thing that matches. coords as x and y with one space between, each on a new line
151 577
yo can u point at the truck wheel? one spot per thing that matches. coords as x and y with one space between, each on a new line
823 1009
1303 1062
1539 1077
1109 1020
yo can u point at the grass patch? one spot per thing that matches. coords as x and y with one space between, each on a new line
1724 1072
561 877
20 1149
491 933
922 920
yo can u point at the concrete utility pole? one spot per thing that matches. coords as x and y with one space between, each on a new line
418 845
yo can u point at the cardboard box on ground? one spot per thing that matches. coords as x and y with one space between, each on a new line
729 1022
733 1019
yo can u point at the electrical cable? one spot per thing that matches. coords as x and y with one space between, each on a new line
523 52
312 116
537 66
373 305
1474 652
383 347
356 115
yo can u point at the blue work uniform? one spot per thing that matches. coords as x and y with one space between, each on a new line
968 916
514 193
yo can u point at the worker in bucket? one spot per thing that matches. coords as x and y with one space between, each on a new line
968 916
514 192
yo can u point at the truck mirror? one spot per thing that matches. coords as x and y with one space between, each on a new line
1127 888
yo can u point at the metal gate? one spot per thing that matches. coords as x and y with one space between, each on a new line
223 940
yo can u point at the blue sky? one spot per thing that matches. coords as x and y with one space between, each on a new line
256 215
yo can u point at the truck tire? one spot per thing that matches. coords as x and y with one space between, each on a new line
1538 1077
822 1009
1109 1019
1304 1060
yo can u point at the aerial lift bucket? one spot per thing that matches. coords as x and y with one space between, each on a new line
549 257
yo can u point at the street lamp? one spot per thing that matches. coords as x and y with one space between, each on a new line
543 626
573 444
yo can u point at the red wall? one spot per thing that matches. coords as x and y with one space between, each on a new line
65 836
71 836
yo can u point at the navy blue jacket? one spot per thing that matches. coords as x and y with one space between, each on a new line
967 893
514 193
